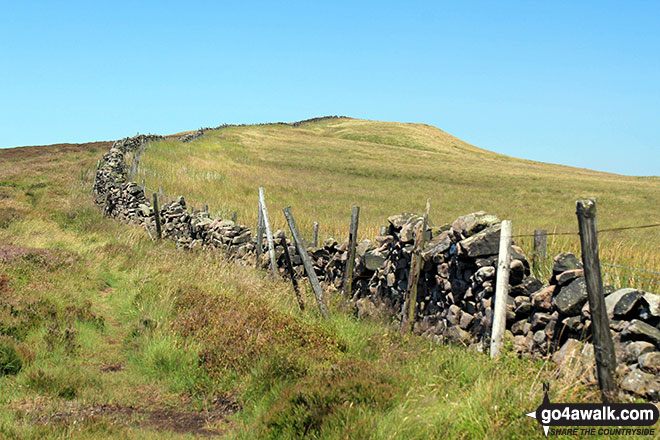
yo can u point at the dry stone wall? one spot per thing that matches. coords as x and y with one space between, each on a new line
456 286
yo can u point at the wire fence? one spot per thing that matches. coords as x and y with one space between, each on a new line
617 275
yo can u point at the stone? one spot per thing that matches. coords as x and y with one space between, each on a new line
627 303
407 233
524 308
568 276
539 337
641 383
518 327
653 300
466 321
523 344
565 261
145 210
459 335
641 331
542 299
483 274
573 323
571 298
454 314
486 242
439 245
527 287
516 272
568 356
589 363
374 260
635 349
613 298
470 224
650 362
399 220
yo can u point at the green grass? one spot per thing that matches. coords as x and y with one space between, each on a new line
324 168
188 328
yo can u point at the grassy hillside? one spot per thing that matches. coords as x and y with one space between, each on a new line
324 168
105 334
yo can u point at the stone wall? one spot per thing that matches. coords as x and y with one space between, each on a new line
456 287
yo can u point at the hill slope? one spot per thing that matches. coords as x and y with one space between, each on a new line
105 334
323 168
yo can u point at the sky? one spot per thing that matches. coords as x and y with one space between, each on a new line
576 83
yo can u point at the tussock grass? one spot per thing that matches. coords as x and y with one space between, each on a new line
324 168
184 329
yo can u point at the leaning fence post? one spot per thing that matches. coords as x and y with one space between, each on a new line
269 233
501 290
407 322
292 274
350 261
159 231
307 263
316 234
260 232
540 245
600 327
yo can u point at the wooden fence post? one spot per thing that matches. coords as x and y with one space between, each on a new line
292 274
96 175
307 263
408 322
260 232
144 187
269 233
540 245
350 262
600 326
159 232
383 230
501 290
316 234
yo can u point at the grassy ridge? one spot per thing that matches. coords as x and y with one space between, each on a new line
324 168
94 314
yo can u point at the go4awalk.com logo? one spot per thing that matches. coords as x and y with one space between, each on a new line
629 419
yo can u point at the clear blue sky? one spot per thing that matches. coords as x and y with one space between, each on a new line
576 83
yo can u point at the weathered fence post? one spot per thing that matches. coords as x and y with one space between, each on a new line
352 242
408 322
144 187
316 234
292 274
96 174
540 245
501 290
260 232
383 230
159 231
307 263
269 233
600 326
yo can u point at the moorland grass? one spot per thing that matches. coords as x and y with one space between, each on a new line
324 168
187 328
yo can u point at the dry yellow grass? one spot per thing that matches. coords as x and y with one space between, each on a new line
324 168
